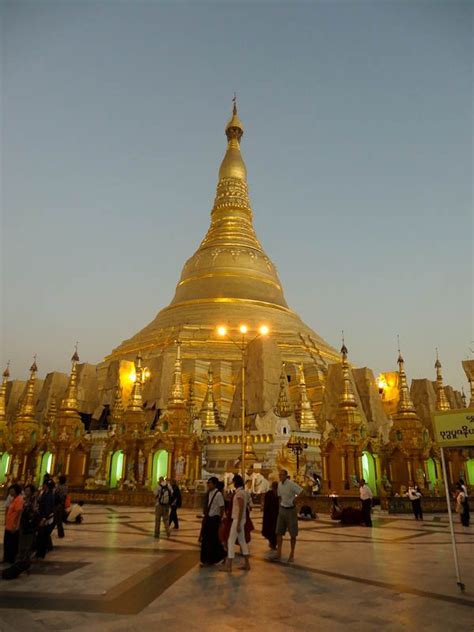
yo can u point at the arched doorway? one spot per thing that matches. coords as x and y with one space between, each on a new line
470 471
116 468
399 469
159 466
4 464
46 465
368 471
77 467
431 470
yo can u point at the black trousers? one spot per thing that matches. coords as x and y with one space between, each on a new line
465 517
11 540
366 510
174 517
417 511
43 540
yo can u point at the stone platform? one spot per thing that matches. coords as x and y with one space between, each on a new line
110 574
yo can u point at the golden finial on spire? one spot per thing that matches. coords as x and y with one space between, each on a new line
405 407
176 397
26 409
441 399
69 404
304 411
347 397
192 404
3 393
135 403
209 414
463 397
283 407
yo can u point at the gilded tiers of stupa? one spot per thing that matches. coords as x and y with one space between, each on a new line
228 281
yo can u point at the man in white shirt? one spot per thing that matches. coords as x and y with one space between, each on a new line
287 517
366 499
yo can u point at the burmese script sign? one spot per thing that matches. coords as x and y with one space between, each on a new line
454 428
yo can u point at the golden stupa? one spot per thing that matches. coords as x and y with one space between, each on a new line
228 281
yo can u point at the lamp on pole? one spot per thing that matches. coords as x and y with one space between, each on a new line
242 345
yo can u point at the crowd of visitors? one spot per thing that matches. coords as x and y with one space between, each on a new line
31 516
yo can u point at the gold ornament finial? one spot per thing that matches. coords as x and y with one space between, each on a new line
463 397
26 409
3 393
441 399
304 412
209 413
135 403
347 399
69 404
176 397
405 407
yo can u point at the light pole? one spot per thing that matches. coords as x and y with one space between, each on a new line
242 346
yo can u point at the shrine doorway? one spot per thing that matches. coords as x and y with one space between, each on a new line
160 466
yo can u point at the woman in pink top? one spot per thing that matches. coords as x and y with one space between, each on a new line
12 525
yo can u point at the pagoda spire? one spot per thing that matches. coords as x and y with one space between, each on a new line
117 407
69 405
347 400
283 407
3 394
209 414
26 410
304 412
193 408
405 407
176 397
135 403
441 399
463 398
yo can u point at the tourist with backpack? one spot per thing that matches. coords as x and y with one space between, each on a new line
162 508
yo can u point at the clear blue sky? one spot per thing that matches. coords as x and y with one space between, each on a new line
358 145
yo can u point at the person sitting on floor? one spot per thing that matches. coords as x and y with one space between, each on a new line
76 513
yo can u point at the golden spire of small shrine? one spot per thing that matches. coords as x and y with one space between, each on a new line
463 398
27 409
209 414
69 404
304 412
283 407
52 412
118 410
176 397
3 393
347 399
405 407
441 399
193 408
135 403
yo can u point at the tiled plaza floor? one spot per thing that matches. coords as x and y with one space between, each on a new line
111 574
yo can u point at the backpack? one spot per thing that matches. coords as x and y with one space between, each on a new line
164 495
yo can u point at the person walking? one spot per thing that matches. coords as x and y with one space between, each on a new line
415 496
60 495
46 519
162 508
212 551
287 519
175 504
462 505
366 499
271 507
11 537
237 529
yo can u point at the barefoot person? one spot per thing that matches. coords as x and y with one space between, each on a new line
237 529
287 520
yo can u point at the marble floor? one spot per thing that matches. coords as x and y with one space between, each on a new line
110 574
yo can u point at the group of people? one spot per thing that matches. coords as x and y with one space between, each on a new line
461 498
168 501
227 521
30 518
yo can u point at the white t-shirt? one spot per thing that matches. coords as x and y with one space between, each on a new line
287 492
413 494
76 510
365 492
215 503
240 493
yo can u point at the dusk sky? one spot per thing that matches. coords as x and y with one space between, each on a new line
358 145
